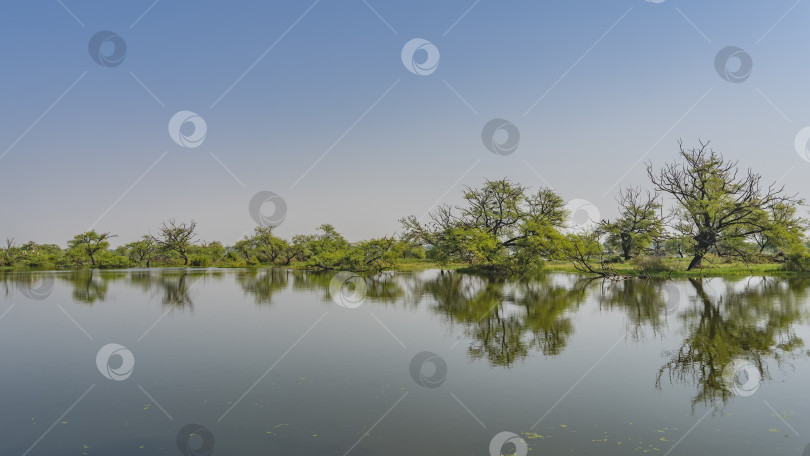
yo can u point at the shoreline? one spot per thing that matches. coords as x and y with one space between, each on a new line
627 270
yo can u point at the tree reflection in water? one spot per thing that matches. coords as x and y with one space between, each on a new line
720 321
753 321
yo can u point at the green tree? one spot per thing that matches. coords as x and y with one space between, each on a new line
143 251
267 246
327 249
244 248
90 243
638 222
297 250
373 255
493 227
715 203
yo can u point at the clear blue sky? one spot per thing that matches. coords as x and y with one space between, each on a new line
618 82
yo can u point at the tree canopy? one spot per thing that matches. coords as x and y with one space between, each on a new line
716 204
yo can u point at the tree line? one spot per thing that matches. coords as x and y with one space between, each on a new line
700 204
177 244
713 207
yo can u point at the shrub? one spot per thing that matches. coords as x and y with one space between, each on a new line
109 260
650 264
797 262
199 261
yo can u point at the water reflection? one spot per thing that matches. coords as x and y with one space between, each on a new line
714 322
753 321
507 320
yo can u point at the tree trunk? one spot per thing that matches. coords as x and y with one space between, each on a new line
705 241
626 246
700 251
696 261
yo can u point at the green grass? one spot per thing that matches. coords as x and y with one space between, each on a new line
420 265
673 267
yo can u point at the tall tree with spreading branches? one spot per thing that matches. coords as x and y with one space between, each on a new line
177 237
90 243
715 201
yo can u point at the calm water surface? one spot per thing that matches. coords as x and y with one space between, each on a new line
243 362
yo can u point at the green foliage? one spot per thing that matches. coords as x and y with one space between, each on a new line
411 250
326 250
784 229
637 225
373 255
717 205
206 254
112 260
583 250
501 227
797 262
143 252
90 244
297 250
11 254
199 261
268 247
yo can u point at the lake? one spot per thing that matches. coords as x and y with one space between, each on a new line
275 361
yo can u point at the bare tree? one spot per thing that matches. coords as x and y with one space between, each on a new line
10 254
177 237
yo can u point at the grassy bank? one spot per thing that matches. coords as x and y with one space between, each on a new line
669 267
676 267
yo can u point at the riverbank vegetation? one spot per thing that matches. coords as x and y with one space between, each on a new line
699 215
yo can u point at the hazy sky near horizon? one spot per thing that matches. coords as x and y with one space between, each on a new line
315 102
